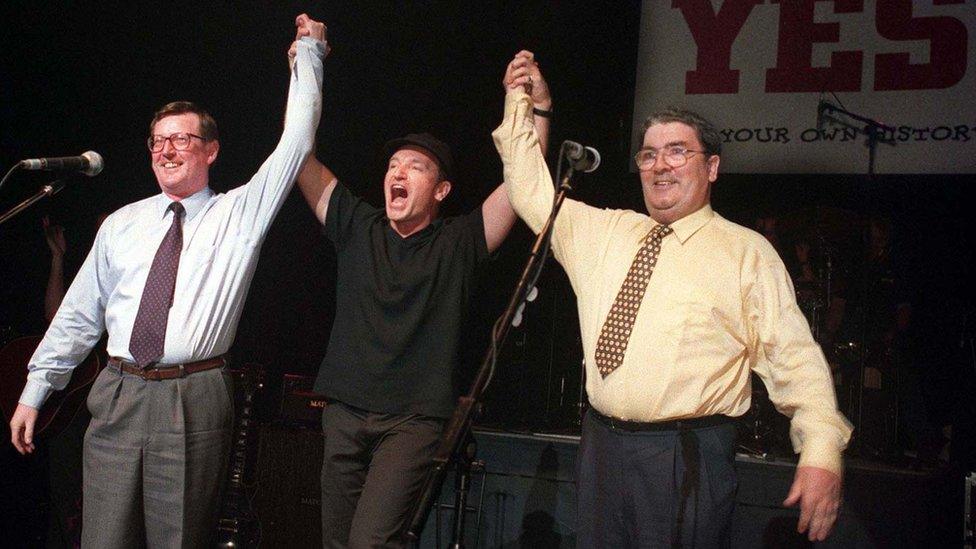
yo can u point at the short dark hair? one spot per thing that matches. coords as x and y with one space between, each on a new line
208 126
707 134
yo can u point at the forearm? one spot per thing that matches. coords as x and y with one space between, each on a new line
52 364
316 183
74 331
264 194
527 179
304 106
804 390
793 366
541 124
498 216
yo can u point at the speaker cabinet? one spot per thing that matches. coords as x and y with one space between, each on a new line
287 493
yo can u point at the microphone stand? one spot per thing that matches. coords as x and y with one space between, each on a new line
459 426
50 189
873 129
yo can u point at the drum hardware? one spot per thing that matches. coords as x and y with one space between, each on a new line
757 436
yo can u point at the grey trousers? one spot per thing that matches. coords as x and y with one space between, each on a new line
373 470
154 459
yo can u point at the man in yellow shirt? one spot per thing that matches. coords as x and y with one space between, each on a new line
675 309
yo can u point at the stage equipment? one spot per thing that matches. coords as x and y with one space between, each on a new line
89 163
300 405
49 189
584 159
874 130
238 526
529 500
287 493
969 526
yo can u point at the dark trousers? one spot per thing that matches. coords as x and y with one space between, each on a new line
655 488
154 459
372 472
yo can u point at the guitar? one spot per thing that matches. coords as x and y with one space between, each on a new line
238 526
62 405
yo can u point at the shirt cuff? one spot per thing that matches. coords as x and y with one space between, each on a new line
35 393
823 454
318 46
512 100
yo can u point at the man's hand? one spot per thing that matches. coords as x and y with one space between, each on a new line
306 26
818 493
22 428
54 234
524 71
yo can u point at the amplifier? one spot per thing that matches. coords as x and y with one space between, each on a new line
299 404
287 495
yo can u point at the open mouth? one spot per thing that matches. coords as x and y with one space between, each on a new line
398 194
664 183
169 165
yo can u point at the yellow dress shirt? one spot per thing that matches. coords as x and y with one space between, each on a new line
719 304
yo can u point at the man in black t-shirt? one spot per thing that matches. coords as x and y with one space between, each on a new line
403 280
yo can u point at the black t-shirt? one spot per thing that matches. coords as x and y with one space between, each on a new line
399 305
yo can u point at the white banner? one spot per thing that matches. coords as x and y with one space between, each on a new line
759 69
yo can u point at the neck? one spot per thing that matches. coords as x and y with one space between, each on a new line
180 195
667 218
407 228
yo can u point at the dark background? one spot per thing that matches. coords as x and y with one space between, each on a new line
89 75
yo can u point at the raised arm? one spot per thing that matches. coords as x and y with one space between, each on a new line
317 183
259 201
523 71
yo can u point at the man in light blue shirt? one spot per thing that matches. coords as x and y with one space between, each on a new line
161 426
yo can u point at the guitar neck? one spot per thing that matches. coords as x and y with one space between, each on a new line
235 501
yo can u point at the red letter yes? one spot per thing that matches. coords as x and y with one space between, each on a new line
947 51
794 71
714 35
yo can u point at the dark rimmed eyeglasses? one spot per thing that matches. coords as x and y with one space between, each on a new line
180 141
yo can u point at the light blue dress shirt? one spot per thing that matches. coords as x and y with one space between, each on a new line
222 236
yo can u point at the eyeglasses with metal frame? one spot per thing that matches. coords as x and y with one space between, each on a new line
674 157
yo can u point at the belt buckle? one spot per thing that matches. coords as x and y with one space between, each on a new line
152 374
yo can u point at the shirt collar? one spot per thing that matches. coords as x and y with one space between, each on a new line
417 236
689 224
193 204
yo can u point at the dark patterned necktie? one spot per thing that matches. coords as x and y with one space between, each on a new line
149 330
612 343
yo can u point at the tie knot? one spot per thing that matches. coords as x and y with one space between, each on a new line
177 208
659 232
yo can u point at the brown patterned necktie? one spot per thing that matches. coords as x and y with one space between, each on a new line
612 343
149 329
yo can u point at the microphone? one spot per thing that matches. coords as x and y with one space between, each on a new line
822 108
89 163
584 159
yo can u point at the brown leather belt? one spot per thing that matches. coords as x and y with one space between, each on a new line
160 372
